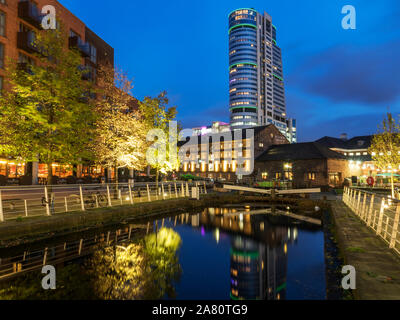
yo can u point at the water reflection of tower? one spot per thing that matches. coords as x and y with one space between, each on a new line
258 271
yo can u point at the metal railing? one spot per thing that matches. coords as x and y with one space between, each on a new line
379 212
63 252
19 202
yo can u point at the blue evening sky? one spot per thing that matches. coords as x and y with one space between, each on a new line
336 80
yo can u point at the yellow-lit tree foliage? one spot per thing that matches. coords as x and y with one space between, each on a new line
385 147
120 131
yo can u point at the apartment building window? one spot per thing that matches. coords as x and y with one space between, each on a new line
93 53
2 24
1 55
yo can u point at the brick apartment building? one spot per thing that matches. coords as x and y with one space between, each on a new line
19 22
224 149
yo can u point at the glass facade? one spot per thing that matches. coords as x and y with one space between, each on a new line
256 81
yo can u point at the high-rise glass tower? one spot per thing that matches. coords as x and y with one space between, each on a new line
256 84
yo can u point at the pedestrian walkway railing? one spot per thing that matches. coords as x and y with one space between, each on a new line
379 212
19 202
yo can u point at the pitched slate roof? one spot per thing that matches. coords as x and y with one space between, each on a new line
361 142
299 151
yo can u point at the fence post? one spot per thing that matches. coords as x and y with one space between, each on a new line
108 196
130 232
358 203
380 219
176 191
371 209
130 193
350 199
97 200
81 194
80 247
46 196
183 190
1 209
395 227
26 207
45 256
364 206
148 192
162 190
187 190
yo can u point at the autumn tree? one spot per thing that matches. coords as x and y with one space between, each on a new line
47 114
120 130
162 156
385 147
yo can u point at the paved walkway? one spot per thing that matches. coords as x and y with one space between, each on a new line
377 266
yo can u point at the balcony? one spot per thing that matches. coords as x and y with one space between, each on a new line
26 42
30 13
83 48
87 73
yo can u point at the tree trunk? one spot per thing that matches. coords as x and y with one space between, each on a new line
49 173
116 195
116 174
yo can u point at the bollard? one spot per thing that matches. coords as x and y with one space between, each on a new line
162 190
97 200
169 190
176 191
205 187
66 204
120 196
187 190
183 190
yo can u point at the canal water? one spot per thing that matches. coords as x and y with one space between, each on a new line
219 253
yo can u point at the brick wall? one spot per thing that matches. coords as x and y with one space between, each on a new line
319 169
